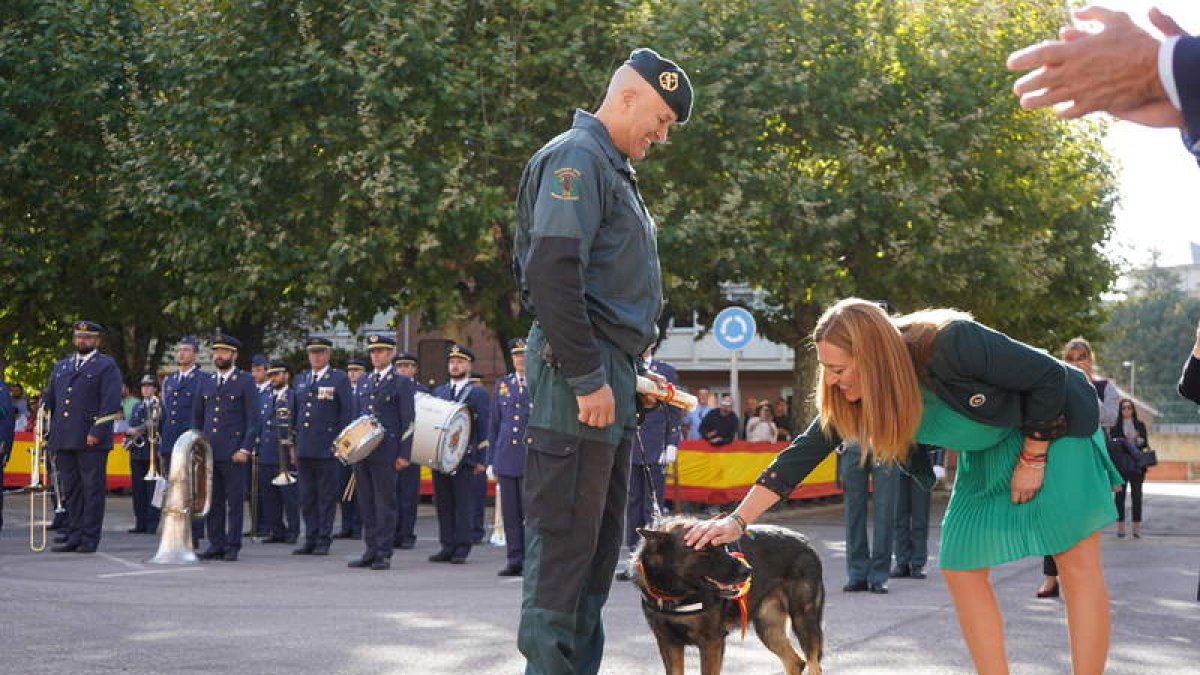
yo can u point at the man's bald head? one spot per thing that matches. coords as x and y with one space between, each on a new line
634 113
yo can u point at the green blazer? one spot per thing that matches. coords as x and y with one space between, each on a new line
984 375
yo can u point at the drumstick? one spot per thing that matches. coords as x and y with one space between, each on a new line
667 394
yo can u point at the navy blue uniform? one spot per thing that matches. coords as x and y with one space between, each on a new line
506 456
145 514
8 426
660 428
408 497
279 505
389 397
324 406
454 494
227 414
351 525
83 400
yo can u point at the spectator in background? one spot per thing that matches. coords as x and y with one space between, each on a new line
694 418
868 564
17 393
761 426
1128 437
748 414
910 542
720 426
128 403
28 422
783 419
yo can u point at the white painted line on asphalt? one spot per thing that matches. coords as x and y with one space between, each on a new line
108 556
134 574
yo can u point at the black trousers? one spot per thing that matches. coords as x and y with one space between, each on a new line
350 520
375 493
225 518
1134 487
145 516
408 498
454 496
512 511
319 495
479 506
83 473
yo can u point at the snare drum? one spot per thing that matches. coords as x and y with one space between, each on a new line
358 440
441 433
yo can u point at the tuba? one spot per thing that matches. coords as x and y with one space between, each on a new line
188 498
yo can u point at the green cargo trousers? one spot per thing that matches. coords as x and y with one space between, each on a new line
576 485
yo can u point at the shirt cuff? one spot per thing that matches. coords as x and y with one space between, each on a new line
1166 70
586 384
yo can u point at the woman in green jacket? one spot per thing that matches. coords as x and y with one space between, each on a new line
1034 477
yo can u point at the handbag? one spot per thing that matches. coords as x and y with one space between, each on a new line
1147 458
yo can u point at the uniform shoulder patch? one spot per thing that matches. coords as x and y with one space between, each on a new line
566 184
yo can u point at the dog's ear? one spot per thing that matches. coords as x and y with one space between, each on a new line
653 535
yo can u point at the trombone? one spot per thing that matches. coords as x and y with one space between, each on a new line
151 427
283 443
38 464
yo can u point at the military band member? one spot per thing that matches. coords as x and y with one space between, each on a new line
655 445
506 454
84 399
406 365
454 494
351 523
178 396
587 266
137 442
408 479
226 412
258 373
389 397
324 406
8 430
280 504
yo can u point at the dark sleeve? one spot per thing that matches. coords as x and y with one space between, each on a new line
408 414
991 357
493 425
1186 65
250 407
110 399
566 216
48 394
8 423
1189 381
706 422
480 407
346 404
797 460
137 418
198 404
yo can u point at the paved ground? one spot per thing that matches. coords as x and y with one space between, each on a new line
276 613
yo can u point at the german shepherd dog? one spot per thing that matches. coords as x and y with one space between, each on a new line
690 597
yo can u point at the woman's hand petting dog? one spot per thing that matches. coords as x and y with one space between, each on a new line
713 532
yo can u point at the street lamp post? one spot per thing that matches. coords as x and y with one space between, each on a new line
1132 366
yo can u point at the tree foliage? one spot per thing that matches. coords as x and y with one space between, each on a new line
170 166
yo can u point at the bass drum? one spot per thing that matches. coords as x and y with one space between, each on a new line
441 433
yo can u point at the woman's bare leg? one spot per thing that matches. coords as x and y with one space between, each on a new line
1086 596
979 617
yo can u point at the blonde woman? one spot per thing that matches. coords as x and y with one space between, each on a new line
1034 476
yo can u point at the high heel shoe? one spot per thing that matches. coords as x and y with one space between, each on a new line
1048 593
1137 532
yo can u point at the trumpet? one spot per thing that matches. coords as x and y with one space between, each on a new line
151 430
37 489
283 443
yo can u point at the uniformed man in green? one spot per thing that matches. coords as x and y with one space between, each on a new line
587 266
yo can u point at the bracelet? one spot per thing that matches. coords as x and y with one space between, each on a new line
741 523
1036 466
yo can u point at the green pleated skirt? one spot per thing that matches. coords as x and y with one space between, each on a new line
982 526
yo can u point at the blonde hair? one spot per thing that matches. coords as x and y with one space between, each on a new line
1077 344
885 418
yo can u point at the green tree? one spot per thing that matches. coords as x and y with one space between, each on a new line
873 148
1152 328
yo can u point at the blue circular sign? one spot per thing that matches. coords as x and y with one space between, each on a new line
734 328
